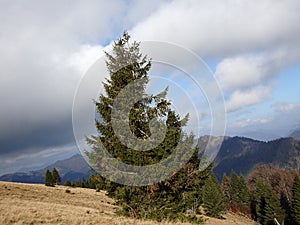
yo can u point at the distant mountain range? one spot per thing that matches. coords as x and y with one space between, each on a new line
73 168
242 154
237 154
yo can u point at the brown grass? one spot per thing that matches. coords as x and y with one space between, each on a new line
38 204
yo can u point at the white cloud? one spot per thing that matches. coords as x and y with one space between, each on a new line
286 107
240 99
240 71
254 40
220 28
85 57
248 70
250 122
281 120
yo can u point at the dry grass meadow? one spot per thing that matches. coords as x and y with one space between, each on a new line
38 204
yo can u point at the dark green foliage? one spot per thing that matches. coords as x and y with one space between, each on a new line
239 194
92 182
56 177
226 187
77 183
84 183
99 183
244 196
235 189
213 198
295 204
285 205
125 66
67 183
49 179
53 178
168 199
267 205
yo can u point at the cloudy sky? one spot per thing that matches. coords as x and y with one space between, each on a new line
252 48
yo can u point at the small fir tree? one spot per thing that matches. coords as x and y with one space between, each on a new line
77 183
234 190
68 183
213 198
48 178
56 177
244 196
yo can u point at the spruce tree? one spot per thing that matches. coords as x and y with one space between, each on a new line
239 194
68 183
267 205
55 176
244 196
226 187
234 190
48 178
125 66
170 198
77 183
213 198
295 204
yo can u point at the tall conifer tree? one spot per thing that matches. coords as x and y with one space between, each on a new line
267 205
48 178
239 194
168 199
226 186
213 198
295 204
126 65
55 176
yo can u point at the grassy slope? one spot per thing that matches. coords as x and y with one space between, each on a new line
38 204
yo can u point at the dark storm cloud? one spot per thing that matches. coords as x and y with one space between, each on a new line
40 137
41 64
